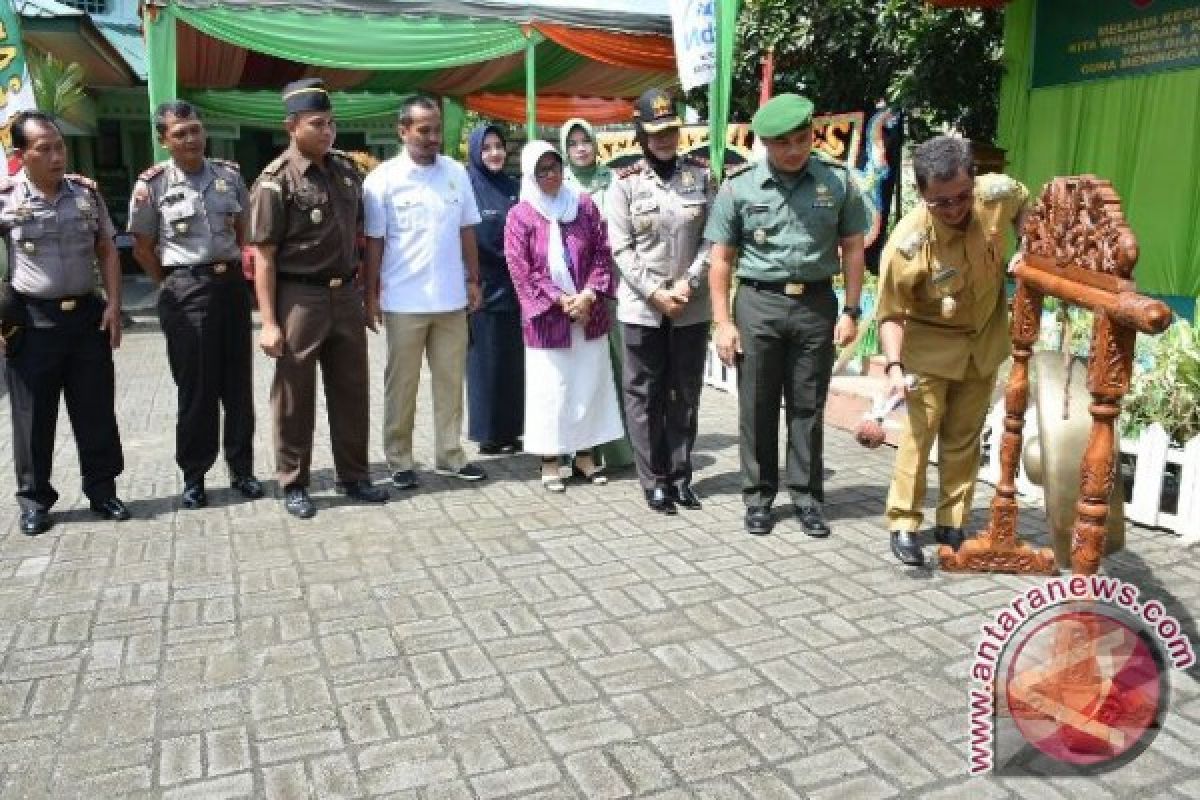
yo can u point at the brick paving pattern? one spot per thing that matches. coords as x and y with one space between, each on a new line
494 640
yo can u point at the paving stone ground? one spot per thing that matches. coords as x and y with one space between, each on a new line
489 641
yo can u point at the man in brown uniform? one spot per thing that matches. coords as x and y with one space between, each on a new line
305 212
944 319
59 334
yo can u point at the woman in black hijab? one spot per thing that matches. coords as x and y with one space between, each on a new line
496 357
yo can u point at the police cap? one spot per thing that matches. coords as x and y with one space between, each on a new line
655 111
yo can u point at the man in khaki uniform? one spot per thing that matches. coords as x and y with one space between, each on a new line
944 320
305 211
657 210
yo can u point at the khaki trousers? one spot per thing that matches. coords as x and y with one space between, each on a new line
953 413
442 339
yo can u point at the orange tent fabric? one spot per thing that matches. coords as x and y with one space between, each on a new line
552 110
646 52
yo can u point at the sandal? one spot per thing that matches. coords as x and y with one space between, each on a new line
552 482
594 476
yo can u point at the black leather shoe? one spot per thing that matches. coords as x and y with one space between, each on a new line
194 496
759 521
298 503
812 521
364 491
948 534
684 496
248 485
35 522
112 508
907 549
658 500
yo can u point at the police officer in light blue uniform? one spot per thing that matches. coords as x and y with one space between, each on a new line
57 229
186 215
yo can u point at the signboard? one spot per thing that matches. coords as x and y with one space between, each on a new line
694 30
1085 40
16 92
866 146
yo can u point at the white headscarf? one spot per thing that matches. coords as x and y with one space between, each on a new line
555 209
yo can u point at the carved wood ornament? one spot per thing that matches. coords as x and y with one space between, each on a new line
1078 248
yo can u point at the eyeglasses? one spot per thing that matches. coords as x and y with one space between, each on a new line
546 172
950 202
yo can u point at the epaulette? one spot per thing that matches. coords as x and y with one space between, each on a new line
909 246
7 184
344 157
153 172
275 166
224 162
996 187
738 169
633 169
829 160
695 161
83 181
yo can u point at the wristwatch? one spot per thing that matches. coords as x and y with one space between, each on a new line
853 312
695 282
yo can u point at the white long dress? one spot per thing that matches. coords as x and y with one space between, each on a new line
570 399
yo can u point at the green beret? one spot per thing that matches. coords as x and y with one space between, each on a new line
782 114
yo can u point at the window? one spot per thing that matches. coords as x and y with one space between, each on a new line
90 6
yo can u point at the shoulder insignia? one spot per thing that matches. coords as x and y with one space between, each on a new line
633 169
829 160
996 187
739 169
268 185
224 162
696 161
910 244
86 183
153 172
275 166
141 194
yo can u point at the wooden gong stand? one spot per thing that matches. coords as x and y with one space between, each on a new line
1078 248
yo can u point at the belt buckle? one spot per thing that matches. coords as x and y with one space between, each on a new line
793 289
335 283
219 269
67 305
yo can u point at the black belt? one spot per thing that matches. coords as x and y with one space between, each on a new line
218 269
65 303
789 288
330 281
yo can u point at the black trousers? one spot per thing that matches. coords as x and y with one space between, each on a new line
787 345
661 380
63 353
206 319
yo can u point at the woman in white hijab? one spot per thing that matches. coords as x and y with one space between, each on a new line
557 252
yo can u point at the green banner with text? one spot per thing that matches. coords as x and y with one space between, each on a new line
1086 40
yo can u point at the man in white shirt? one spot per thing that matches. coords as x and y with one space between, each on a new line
422 278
